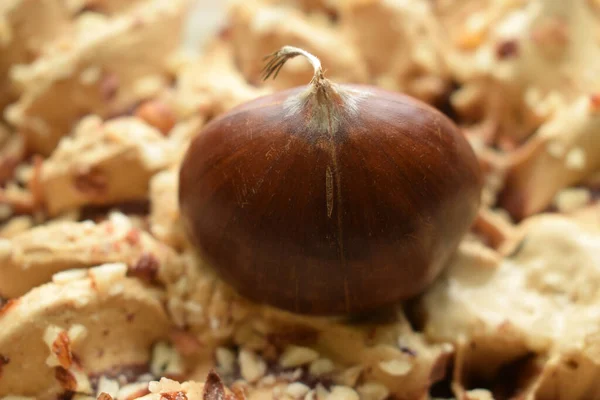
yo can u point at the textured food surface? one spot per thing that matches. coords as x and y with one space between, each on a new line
102 296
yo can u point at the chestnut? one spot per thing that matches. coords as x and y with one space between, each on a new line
328 199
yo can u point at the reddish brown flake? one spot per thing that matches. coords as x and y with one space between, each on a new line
104 396
91 182
133 237
62 349
109 86
213 388
7 306
185 342
65 378
595 102
3 361
173 396
238 394
146 268
157 114
507 49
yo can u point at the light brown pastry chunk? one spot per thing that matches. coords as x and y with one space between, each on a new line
103 163
533 308
84 323
211 84
32 257
258 31
104 66
520 62
563 152
26 26
401 44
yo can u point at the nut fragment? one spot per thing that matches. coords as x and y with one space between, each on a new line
297 390
396 367
295 356
225 360
165 360
568 200
321 366
342 393
252 366
157 114
373 391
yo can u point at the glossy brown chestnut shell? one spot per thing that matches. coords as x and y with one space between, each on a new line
351 201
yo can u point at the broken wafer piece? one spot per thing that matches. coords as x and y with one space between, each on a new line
536 304
105 66
566 148
519 62
257 30
401 44
31 258
85 323
26 26
103 163
211 84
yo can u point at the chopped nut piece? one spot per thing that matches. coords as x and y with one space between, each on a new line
295 356
321 366
349 376
225 360
157 114
146 268
252 366
165 360
107 386
342 393
397 367
297 390
569 200
373 391
105 277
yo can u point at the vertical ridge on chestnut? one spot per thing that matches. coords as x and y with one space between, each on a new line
328 199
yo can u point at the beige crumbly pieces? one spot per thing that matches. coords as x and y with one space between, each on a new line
258 30
211 84
538 307
202 303
385 357
32 257
289 357
26 26
401 44
103 163
566 148
165 222
520 62
60 333
104 66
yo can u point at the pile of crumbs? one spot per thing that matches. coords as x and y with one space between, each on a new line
102 297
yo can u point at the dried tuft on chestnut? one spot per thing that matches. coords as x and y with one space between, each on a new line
329 199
